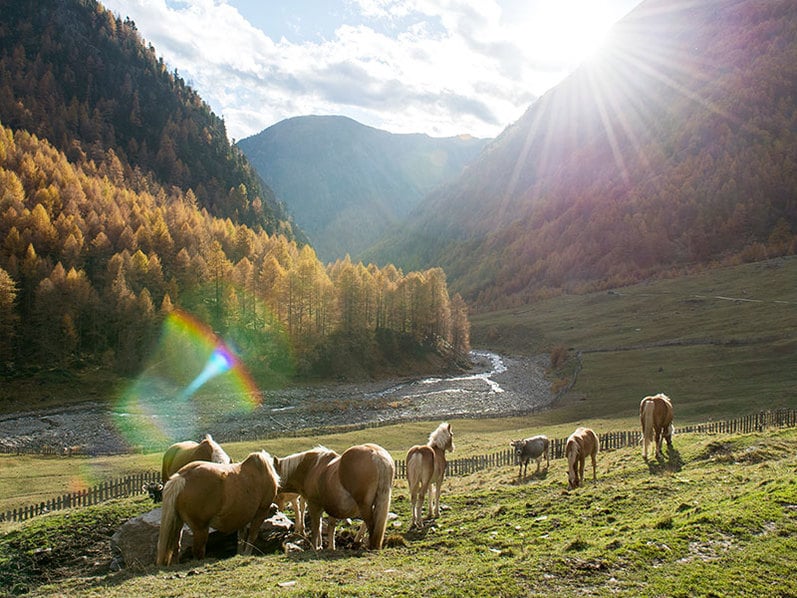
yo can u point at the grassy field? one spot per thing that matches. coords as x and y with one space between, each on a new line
717 517
721 344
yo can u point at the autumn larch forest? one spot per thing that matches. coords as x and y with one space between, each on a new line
121 200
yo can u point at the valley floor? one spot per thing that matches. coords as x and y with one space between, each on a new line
496 386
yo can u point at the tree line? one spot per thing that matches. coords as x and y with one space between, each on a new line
94 257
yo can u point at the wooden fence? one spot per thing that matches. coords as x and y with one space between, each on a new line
119 488
132 484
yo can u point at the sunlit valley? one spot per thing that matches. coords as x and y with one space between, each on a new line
634 231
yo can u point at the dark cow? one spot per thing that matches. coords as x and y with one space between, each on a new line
155 491
527 449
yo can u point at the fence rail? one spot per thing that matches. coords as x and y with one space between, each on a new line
132 484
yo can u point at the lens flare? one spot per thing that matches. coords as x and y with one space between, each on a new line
192 379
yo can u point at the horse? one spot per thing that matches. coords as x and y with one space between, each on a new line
358 483
655 415
181 453
527 449
227 497
298 503
426 465
579 444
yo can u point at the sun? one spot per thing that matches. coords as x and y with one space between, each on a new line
567 32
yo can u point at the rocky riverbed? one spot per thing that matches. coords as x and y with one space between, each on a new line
495 386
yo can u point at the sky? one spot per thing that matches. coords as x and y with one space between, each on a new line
440 67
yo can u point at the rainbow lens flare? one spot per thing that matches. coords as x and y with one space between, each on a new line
192 379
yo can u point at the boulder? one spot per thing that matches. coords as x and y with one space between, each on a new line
135 543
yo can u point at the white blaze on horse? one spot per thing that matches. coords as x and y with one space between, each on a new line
227 497
182 453
531 449
580 444
358 483
655 415
426 465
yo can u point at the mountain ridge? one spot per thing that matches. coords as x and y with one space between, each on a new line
346 182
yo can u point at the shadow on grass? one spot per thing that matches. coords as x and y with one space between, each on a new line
542 474
673 462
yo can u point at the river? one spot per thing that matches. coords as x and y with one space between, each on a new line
497 385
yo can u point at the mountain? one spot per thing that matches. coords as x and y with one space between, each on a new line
346 183
72 73
675 148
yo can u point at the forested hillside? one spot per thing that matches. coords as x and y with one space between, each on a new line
72 73
90 267
121 200
346 184
676 148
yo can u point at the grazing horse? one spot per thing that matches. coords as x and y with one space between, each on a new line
358 483
534 448
227 497
655 415
426 465
181 453
581 443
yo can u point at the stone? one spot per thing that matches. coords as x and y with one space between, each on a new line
135 543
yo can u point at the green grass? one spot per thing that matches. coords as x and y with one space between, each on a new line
716 358
718 518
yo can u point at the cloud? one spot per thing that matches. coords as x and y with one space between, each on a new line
441 67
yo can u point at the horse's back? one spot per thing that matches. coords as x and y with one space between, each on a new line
420 458
361 468
176 456
584 440
656 411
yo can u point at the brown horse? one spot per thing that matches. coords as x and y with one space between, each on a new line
181 453
655 415
426 465
580 444
357 483
227 497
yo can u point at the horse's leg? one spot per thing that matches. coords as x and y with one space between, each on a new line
437 488
298 509
594 467
200 542
248 540
331 523
176 551
315 525
425 488
581 470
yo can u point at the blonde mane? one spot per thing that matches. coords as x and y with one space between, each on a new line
218 455
289 464
440 437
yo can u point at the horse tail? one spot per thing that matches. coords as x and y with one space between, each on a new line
171 523
384 489
646 413
414 469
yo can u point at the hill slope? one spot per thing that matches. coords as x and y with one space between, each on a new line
346 183
675 147
77 76
716 517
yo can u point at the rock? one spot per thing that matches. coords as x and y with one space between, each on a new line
135 543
